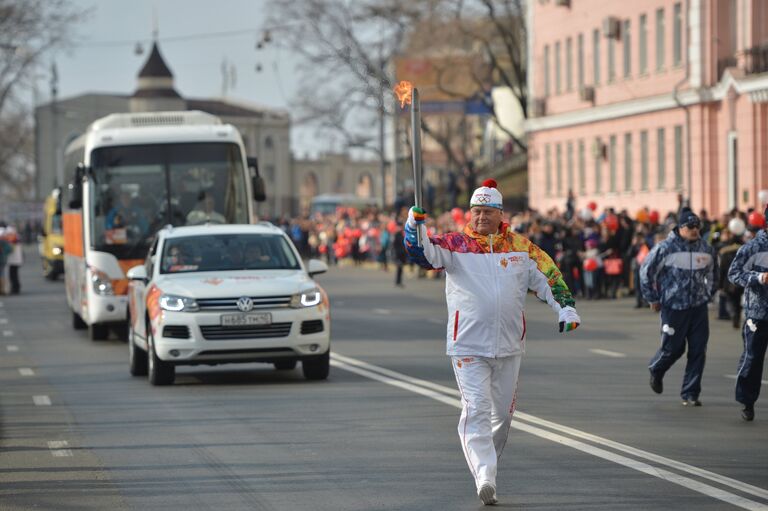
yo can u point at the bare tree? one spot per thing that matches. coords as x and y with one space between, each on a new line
29 31
349 47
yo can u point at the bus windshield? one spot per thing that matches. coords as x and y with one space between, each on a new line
138 189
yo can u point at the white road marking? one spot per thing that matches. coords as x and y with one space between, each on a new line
735 376
26 371
41 400
12 348
58 448
608 353
385 312
441 393
7 333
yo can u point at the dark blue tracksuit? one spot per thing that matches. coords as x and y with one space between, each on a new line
751 260
680 275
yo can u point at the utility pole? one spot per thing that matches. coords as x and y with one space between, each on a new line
58 176
382 112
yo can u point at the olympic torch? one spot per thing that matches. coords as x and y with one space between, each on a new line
408 94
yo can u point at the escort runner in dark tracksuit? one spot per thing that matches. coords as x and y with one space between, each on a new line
750 270
678 278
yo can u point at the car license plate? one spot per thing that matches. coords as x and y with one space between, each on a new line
264 318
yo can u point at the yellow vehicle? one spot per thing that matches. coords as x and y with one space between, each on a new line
51 242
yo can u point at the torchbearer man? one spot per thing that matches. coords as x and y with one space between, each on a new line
749 269
489 270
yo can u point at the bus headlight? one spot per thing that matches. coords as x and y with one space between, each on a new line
308 298
102 284
175 303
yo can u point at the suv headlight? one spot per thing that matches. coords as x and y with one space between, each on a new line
175 303
308 298
57 251
102 284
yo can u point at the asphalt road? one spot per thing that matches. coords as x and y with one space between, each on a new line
78 432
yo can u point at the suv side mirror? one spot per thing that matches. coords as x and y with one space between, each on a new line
316 266
137 273
76 187
257 182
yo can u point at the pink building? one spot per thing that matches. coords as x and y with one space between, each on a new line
635 102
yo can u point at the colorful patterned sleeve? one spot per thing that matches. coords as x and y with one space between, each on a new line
546 278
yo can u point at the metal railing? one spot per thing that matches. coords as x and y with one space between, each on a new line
754 61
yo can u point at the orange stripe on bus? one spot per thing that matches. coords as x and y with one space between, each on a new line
73 233
120 286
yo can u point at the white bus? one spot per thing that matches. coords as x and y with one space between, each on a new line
128 176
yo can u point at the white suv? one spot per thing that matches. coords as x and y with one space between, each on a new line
216 294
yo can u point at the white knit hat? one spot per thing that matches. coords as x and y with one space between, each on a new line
487 195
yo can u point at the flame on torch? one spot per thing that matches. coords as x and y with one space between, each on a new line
404 93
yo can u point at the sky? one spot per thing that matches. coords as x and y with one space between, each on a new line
103 58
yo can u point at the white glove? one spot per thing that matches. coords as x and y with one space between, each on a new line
569 319
416 216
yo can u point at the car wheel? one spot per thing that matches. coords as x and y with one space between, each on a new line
317 368
77 322
137 357
285 365
98 332
160 373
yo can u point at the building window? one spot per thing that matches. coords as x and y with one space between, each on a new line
569 168
678 157
643 44
268 143
677 34
569 64
596 55
628 162
580 61
548 169
661 158
559 168
612 164
611 59
659 39
643 160
546 70
598 154
558 89
582 168
627 47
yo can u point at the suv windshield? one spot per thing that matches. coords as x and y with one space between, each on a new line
225 252
138 189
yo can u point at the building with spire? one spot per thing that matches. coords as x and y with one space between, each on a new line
265 132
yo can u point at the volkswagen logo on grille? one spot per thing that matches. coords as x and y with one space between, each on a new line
245 304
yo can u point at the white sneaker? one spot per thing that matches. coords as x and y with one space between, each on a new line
487 494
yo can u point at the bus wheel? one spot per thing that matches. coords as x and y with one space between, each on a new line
77 322
98 332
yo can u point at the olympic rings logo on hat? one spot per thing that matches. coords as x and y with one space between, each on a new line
482 199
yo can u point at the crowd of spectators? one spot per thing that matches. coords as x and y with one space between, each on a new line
599 251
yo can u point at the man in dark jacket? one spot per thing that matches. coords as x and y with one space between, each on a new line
750 270
678 278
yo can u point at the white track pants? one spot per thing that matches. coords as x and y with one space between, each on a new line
488 389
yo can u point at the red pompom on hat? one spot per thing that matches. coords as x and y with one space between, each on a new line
487 195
